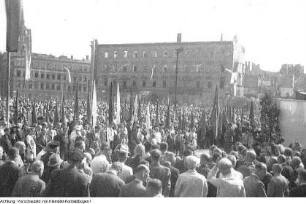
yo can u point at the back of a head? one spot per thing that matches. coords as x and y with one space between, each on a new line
154 187
147 146
281 159
277 168
260 166
163 146
170 157
187 152
204 158
288 152
139 150
37 166
192 162
296 162
225 163
116 166
155 155
233 159
141 168
122 156
302 175
250 155
13 153
104 146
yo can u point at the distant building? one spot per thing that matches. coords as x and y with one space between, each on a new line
48 78
151 68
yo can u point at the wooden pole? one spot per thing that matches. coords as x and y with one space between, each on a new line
8 88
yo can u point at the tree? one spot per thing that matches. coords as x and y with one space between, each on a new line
270 131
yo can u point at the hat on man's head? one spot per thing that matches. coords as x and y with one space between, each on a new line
53 144
122 148
54 160
76 156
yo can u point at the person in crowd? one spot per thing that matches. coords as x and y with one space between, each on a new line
300 190
52 147
279 185
254 187
180 164
154 188
100 164
5 141
136 187
169 162
31 185
160 172
229 185
1 156
69 182
54 162
107 184
191 183
9 173
248 167
139 154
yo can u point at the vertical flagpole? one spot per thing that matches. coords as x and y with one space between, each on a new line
8 88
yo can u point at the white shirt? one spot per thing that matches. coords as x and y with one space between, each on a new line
100 164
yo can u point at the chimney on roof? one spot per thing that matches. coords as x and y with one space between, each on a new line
179 38
71 57
221 37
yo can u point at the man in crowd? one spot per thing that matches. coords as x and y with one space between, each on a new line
254 187
100 164
31 185
69 182
300 190
136 187
154 188
191 183
279 185
107 184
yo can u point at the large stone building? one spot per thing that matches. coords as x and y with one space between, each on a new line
48 77
150 68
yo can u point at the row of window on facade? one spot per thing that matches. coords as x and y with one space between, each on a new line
53 87
38 75
155 54
41 64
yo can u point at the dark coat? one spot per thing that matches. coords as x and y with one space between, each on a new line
162 173
174 175
299 191
106 185
68 182
134 188
9 174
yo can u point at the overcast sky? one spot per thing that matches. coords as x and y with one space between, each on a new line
272 31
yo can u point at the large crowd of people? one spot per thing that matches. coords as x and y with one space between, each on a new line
70 158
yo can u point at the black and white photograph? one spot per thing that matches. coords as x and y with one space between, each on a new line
152 98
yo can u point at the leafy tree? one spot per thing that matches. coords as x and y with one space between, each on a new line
270 131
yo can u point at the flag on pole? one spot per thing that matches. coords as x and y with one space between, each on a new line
89 110
183 121
14 16
28 53
191 119
47 114
34 118
68 72
94 105
202 128
135 111
63 109
139 109
16 109
76 103
214 119
118 104
157 113
56 118
252 117
131 107
168 120
148 118
110 104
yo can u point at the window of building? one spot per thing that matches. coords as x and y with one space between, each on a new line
134 68
144 54
18 73
154 83
69 88
165 53
144 83
124 84
53 86
84 89
47 86
53 76
165 68
222 82
105 54
105 82
115 54
48 76
155 54
198 84
134 83
124 68
164 84
58 76
135 53
58 87
36 75
42 86
209 84
80 78
42 75
36 85
125 54
85 78
64 77
80 88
